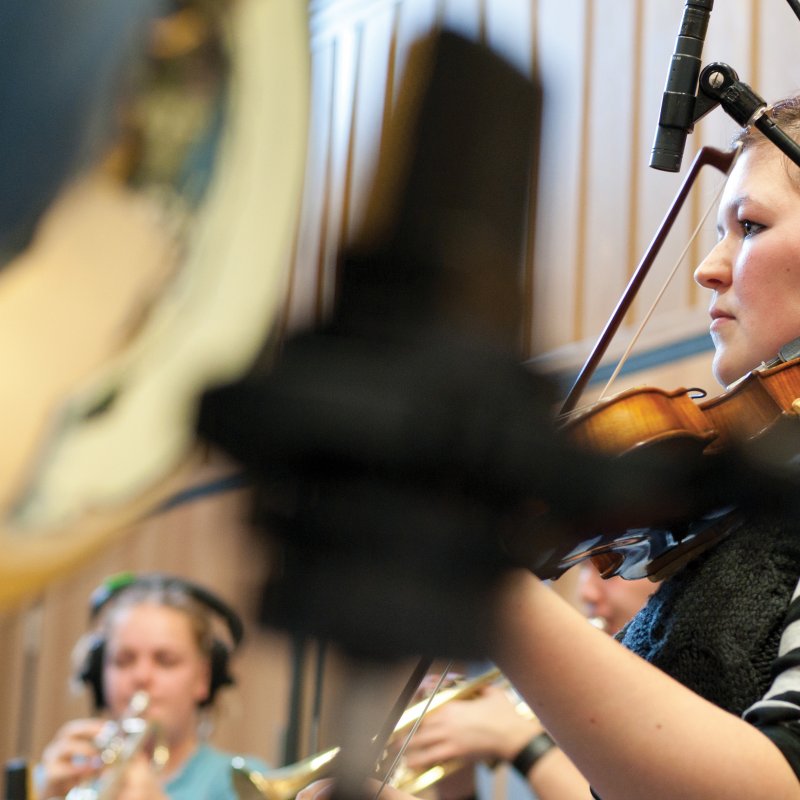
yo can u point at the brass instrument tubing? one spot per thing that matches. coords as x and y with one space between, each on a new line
388 773
119 741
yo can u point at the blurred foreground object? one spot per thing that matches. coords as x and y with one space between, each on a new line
406 460
387 444
152 168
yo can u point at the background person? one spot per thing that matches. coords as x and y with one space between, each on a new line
154 634
611 601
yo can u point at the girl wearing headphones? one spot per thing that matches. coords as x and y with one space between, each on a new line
154 635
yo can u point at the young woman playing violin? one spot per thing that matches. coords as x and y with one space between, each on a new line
688 707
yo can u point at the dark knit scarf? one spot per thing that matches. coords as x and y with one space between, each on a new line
715 626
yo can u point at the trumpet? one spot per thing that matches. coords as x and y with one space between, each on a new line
119 742
415 782
285 782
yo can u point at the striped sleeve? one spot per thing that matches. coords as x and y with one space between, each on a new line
777 714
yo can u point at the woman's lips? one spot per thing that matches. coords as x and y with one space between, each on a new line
719 318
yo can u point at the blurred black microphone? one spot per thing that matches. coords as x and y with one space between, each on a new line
677 106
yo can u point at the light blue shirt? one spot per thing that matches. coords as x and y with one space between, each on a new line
207 776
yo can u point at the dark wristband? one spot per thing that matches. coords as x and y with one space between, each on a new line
524 760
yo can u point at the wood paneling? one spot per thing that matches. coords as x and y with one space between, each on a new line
603 64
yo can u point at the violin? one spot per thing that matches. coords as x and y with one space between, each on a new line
650 418
653 418
646 416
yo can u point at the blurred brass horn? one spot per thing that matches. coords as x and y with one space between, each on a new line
158 270
120 742
284 783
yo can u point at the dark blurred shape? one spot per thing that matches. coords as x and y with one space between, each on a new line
406 382
62 67
405 459
16 780
443 239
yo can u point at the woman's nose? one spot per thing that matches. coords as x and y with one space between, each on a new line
714 271
142 673
588 590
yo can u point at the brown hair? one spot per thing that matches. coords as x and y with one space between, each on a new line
786 114
168 596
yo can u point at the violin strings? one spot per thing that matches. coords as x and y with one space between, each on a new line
637 334
393 766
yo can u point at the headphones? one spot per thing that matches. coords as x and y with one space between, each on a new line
91 670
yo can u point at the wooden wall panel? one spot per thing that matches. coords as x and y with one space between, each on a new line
344 112
603 65
652 191
560 31
372 102
14 691
775 67
510 31
466 17
415 18
313 243
611 126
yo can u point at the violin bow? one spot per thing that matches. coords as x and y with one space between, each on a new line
720 159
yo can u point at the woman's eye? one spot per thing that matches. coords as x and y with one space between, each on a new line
750 228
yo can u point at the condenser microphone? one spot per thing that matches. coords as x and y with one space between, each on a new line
676 119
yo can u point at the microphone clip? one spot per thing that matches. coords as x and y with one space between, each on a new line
719 84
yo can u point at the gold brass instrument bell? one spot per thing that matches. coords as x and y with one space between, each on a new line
284 783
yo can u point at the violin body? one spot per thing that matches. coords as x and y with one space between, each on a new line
654 418
753 405
641 418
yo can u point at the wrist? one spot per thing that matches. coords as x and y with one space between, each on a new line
514 737
524 761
